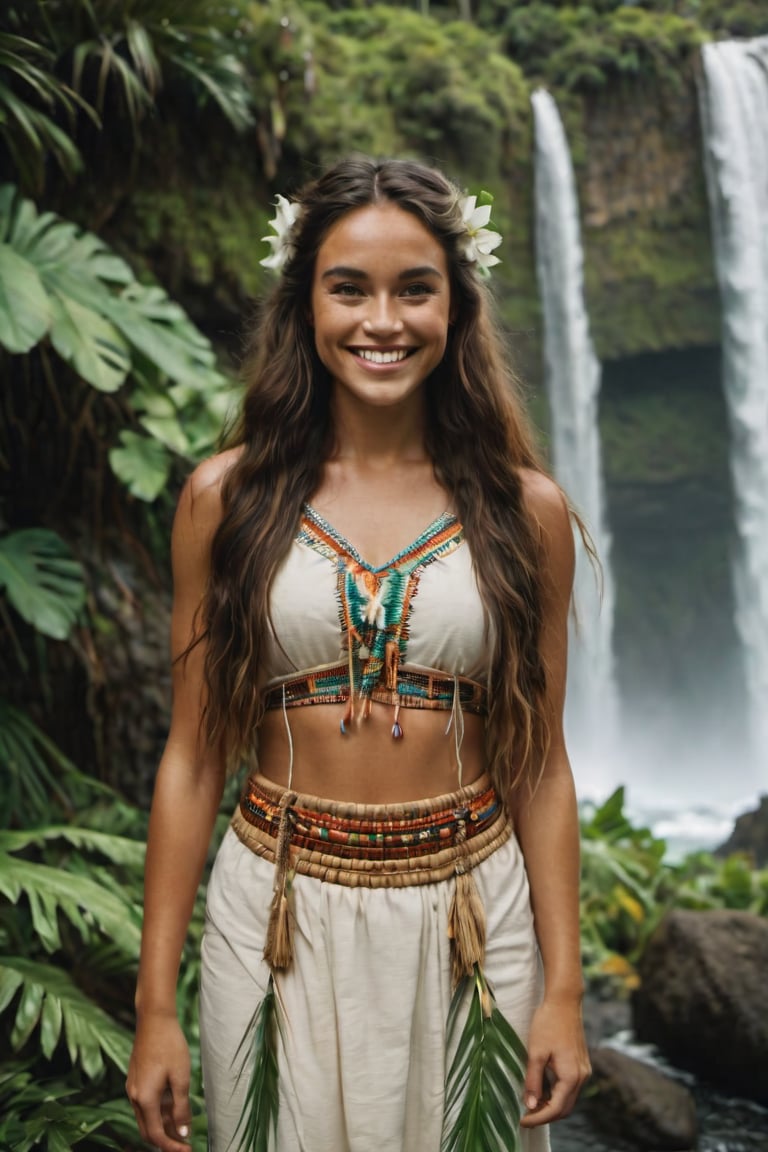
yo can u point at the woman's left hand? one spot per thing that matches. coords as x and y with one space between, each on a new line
558 1062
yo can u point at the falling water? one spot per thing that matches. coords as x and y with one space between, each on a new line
734 111
572 375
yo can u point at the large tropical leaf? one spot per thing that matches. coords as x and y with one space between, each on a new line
118 849
482 1105
42 580
59 283
25 309
89 343
142 464
50 1000
82 900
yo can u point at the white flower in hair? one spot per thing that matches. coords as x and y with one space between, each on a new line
287 214
481 240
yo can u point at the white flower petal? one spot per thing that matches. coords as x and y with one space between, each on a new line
486 241
467 207
480 218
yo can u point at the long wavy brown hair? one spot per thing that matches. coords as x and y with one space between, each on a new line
477 437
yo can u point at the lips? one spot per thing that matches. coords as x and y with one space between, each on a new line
382 355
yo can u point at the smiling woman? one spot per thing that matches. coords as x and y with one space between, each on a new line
381 323
372 582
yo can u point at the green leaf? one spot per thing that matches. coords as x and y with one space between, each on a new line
25 313
259 1044
117 849
482 1106
81 899
42 580
142 464
89 1033
90 343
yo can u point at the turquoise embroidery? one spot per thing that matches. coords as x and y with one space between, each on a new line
375 603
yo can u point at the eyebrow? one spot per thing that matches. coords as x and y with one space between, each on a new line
358 274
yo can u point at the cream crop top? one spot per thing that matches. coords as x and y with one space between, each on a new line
412 632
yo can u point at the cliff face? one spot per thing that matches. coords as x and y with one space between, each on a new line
650 278
637 153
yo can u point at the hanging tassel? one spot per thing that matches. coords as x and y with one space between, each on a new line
278 950
397 732
466 927
466 918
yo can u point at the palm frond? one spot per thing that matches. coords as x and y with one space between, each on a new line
482 1091
50 1000
259 1047
84 901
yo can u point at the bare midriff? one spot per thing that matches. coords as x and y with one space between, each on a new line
368 766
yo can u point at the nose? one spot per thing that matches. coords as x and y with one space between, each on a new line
382 318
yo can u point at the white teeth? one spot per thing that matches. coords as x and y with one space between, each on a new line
382 357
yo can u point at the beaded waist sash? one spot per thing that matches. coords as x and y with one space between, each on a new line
413 689
366 845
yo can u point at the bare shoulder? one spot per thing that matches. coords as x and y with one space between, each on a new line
199 509
545 501
548 508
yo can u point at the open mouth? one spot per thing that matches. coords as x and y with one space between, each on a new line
388 356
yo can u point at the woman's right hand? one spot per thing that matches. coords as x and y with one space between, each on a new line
158 1082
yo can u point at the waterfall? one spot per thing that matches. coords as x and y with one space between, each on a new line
572 377
734 111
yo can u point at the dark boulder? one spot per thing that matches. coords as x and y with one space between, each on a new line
750 835
703 998
637 1106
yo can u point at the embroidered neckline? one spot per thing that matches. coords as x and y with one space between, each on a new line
315 520
375 602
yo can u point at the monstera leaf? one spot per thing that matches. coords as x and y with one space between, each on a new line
42 580
65 288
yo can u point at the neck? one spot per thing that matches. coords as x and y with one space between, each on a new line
363 434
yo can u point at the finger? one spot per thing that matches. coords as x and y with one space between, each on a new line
559 1104
160 1129
137 1110
181 1113
533 1090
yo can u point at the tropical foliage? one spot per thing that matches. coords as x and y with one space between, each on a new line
63 289
628 885
108 392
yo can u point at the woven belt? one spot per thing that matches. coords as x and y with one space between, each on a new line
389 845
414 690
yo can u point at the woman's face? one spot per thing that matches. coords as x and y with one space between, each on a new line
380 304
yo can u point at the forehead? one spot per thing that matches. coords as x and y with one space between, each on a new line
377 232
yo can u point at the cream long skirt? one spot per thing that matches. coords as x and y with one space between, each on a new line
362 1057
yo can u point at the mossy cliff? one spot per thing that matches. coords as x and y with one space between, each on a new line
389 80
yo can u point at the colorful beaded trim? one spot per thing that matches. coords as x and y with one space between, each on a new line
415 833
414 690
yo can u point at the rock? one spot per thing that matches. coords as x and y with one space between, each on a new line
703 998
605 1015
750 835
638 1106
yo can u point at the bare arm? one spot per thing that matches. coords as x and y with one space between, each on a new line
187 793
548 831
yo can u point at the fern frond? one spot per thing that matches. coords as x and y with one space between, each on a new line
482 1090
259 1115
